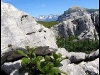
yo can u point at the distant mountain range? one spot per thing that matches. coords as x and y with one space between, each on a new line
75 10
54 17
51 17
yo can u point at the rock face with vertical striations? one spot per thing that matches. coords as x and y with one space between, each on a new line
19 29
77 21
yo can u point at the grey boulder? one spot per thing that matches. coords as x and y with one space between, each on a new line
19 29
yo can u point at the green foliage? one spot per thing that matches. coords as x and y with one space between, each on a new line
79 46
21 52
48 24
39 65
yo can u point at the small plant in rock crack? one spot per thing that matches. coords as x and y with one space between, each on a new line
39 65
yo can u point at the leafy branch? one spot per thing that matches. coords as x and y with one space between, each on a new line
39 65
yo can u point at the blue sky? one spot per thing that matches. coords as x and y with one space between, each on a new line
46 7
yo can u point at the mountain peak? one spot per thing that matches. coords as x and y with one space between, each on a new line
75 7
50 17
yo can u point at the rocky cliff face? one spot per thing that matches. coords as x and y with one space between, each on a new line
79 11
77 21
71 13
19 29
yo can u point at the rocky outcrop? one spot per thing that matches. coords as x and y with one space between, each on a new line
19 29
75 63
95 20
71 13
76 10
79 63
10 56
77 21
84 68
77 57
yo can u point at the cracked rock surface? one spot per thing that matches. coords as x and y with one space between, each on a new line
77 21
19 29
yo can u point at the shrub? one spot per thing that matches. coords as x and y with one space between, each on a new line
39 65
79 46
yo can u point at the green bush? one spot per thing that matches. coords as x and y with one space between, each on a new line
79 46
48 24
39 65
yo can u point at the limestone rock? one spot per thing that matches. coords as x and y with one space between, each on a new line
85 35
74 10
63 51
66 66
19 29
75 64
77 21
72 69
91 67
11 66
74 57
95 19
77 57
75 27
11 56
15 72
93 55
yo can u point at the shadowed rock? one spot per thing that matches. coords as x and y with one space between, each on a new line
10 56
76 21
